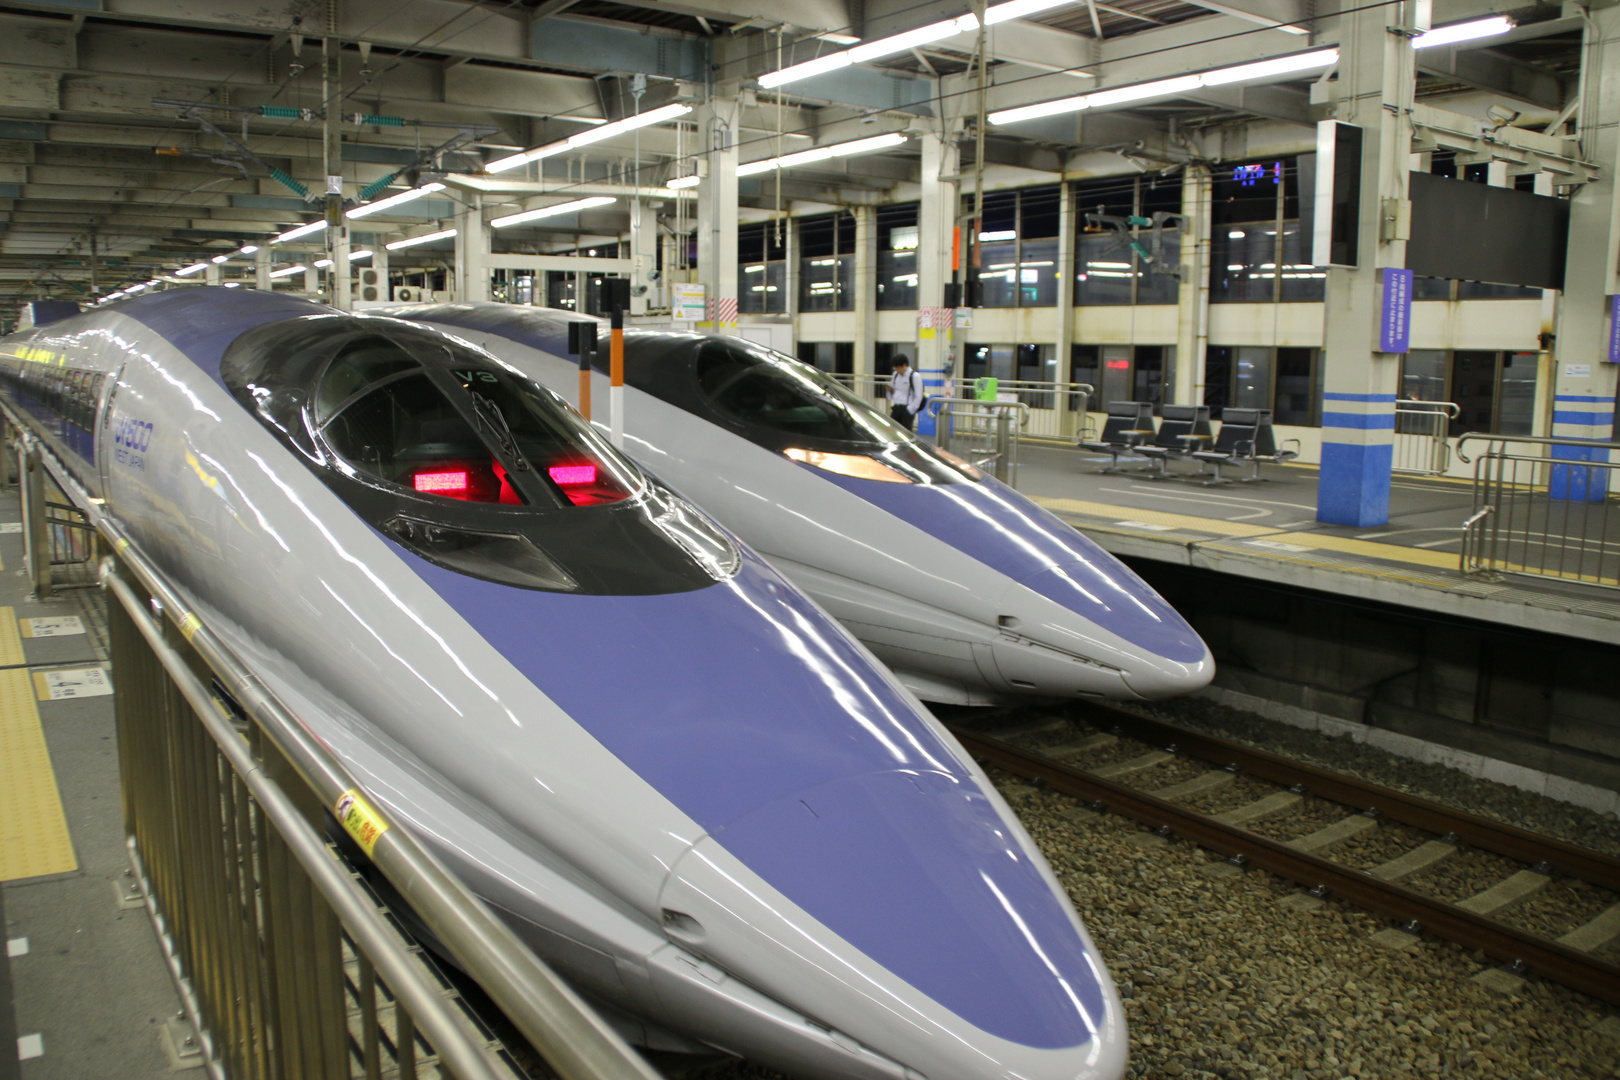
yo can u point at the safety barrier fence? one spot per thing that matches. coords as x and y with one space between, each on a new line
289 964
983 433
1542 507
1420 445
1057 410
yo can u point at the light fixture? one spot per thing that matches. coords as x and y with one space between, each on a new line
322 264
233 284
135 288
1468 31
912 39
356 255
302 230
683 182
426 238
1020 9
217 259
285 271
991 237
192 269
809 69
1181 84
155 281
822 153
835 38
393 200
585 138
550 211
247 249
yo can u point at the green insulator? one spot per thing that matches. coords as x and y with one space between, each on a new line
279 112
286 178
376 187
373 120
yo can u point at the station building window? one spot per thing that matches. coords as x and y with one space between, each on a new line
1493 391
762 267
897 239
1258 252
1288 381
827 263
833 357
1108 270
1017 257
1124 372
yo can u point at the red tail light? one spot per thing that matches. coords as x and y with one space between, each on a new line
567 475
452 482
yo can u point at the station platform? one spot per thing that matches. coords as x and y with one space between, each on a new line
1268 530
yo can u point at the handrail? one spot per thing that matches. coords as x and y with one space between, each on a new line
1539 440
1413 405
933 406
575 1041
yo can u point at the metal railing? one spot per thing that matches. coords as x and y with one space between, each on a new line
1057 410
288 964
983 433
59 543
1539 513
1420 442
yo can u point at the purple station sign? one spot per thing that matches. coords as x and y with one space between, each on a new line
1395 318
1614 329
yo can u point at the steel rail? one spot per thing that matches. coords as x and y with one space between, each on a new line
1542 956
1590 866
573 1039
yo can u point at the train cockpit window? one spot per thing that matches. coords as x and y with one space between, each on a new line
800 411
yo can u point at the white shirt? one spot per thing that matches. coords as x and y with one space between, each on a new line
905 388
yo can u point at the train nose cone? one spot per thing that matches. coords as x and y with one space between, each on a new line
917 923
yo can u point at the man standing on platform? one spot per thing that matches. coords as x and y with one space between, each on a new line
905 394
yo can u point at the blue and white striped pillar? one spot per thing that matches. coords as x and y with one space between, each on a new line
936 219
1358 444
1581 416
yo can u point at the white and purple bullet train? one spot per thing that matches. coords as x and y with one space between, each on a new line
696 795
969 591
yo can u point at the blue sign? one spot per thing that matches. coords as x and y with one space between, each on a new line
1249 175
1614 329
1395 319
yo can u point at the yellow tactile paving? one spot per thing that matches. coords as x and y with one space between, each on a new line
1369 549
11 650
1152 517
34 836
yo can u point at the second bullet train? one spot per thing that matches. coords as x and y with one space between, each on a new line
686 788
969 591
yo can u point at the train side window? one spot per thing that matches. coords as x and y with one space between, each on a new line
784 395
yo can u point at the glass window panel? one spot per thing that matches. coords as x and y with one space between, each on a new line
1301 282
1296 387
977 361
1001 362
1243 264
998 274
1218 361
1037 274
1516 406
1252 384
1487 290
776 287
1116 374
896 280
1473 388
1149 375
1038 212
817 236
752 287
1103 270
1000 212
819 283
1158 283
1431 288
1424 375
1083 364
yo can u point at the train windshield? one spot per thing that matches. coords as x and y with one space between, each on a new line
468 464
810 417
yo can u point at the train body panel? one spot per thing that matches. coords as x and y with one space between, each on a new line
586 758
968 590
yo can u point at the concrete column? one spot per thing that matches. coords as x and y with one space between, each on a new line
379 263
342 288
1583 407
312 278
211 274
1065 290
1192 298
936 217
865 289
790 282
718 125
1376 74
261 269
643 253
471 279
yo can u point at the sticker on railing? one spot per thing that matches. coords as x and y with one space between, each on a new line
55 626
72 683
362 822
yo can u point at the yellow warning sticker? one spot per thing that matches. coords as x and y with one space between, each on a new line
189 624
358 817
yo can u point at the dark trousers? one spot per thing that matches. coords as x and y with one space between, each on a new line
903 416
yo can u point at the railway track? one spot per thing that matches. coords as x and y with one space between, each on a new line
1126 786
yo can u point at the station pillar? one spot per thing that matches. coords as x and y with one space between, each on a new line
261 268
865 289
1375 93
472 253
1192 298
936 219
719 121
1584 369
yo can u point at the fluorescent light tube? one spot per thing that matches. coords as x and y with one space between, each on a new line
911 39
550 211
684 182
247 249
629 123
302 230
1265 69
1142 91
353 255
192 269
285 271
322 264
394 200
426 238
1468 31
810 68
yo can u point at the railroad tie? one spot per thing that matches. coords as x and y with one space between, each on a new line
1196 786
1419 858
1100 740
1275 803
1334 834
1595 934
1506 893
1135 764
